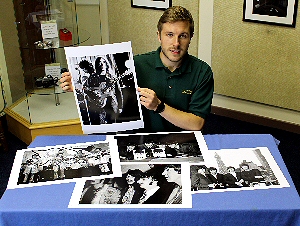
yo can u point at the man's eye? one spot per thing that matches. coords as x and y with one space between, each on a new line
169 34
183 36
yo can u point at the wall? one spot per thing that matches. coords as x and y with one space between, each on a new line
206 45
11 51
4 83
139 25
255 61
92 18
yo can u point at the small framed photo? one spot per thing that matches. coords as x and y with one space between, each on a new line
152 4
274 12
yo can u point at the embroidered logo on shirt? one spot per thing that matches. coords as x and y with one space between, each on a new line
187 91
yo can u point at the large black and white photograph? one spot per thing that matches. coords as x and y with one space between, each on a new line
152 4
276 12
64 163
105 87
236 169
146 185
161 147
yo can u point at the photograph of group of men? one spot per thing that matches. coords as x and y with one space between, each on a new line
237 169
160 147
65 162
208 178
139 184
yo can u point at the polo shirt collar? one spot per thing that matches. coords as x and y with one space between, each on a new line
184 68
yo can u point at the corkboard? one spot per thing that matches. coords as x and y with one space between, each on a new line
254 61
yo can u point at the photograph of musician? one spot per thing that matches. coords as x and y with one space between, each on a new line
31 168
105 90
131 192
99 89
199 179
215 178
172 174
231 178
59 165
153 192
249 177
159 184
100 191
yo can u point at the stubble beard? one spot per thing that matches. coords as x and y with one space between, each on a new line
174 61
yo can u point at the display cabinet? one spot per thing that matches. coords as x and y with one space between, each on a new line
45 27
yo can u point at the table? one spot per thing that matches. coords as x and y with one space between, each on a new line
47 205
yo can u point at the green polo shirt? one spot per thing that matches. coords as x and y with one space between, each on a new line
189 88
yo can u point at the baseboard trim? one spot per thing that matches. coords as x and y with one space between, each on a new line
256 119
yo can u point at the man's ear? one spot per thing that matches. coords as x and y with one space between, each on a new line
158 36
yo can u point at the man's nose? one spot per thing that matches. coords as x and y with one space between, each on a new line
176 41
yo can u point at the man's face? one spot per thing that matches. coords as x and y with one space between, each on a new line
245 168
174 39
213 171
171 174
230 170
148 145
130 147
130 179
201 170
145 182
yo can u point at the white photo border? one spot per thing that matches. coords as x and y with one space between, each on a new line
289 20
237 155
198 136
83 51
160 5
16 168
186 194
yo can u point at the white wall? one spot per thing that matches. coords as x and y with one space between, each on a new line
204 52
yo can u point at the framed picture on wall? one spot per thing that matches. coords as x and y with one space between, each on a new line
152 4
274 12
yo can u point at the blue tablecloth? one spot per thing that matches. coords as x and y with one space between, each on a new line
47 205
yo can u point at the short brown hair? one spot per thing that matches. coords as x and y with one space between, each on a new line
174 14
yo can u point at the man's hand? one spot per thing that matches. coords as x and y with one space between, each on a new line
148 98
184 120
66 82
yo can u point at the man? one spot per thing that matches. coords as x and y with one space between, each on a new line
215 178
100 191
32 168
153 193
173 175
199 180
175 88
249 177
132 192
231 179
59 165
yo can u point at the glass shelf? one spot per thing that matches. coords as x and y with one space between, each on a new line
41 28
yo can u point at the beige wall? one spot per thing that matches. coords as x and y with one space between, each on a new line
139 25
205 52
11 50
254 61
6 98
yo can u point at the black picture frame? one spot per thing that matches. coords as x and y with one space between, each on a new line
151 4
282 13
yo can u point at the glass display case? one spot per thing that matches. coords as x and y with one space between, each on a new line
45 27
